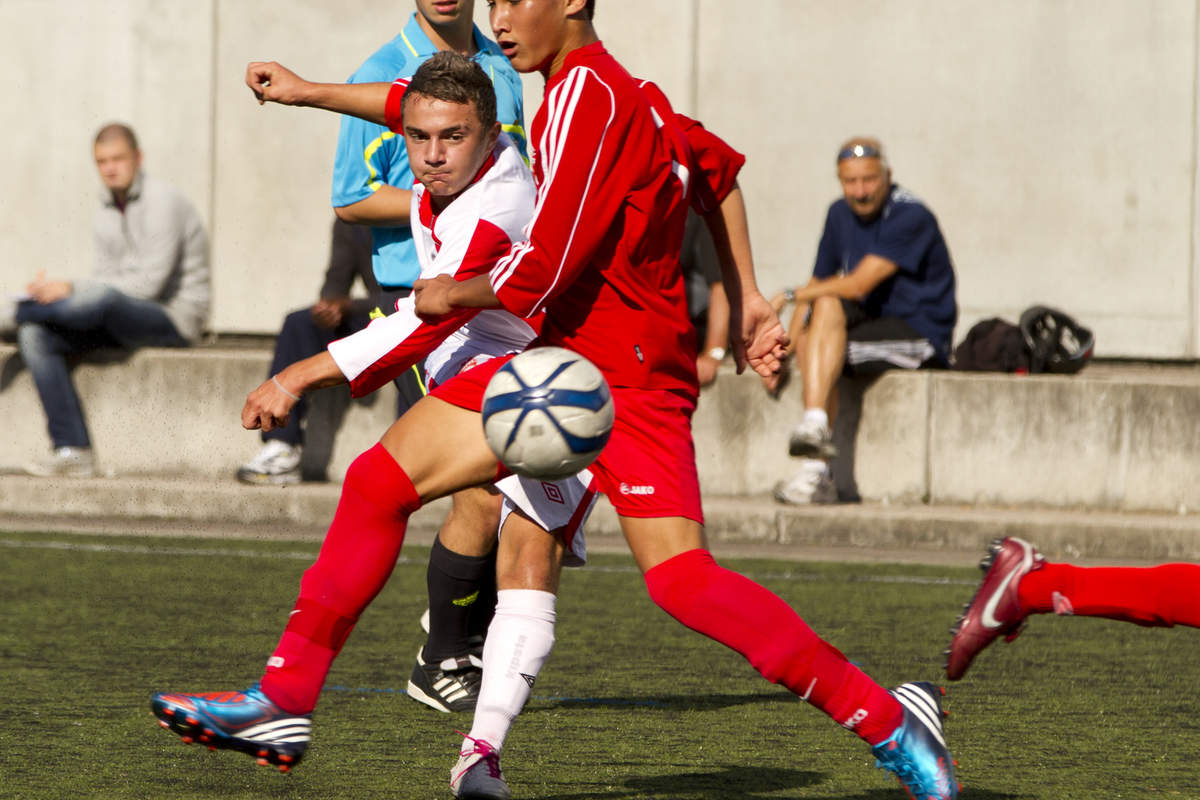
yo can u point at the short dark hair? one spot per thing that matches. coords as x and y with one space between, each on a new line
589 10
117 130
454 78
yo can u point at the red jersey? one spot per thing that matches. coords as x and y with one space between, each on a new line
613 163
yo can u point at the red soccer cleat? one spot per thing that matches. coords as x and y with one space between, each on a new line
995 609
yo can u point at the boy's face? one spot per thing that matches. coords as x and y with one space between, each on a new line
117 162
530 32
444 12
446 143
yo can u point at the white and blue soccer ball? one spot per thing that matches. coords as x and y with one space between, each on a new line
547 413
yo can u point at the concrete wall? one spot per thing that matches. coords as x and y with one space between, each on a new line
1055 139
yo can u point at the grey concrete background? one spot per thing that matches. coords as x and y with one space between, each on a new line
1055 139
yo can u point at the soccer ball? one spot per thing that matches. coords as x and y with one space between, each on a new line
547 413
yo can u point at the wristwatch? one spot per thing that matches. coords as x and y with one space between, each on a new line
716 353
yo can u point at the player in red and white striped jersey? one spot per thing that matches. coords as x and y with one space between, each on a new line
474 196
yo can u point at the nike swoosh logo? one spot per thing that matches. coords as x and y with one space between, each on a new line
988 617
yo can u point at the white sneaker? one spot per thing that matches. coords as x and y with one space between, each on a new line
65 462
277 464
477 774
812 484
811 439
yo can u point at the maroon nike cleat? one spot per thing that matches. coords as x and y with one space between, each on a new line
995 609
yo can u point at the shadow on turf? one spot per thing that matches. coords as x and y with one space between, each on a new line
675 702
726 783
743 783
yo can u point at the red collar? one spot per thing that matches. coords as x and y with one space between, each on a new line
574 59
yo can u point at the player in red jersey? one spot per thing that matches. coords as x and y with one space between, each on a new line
602 261
1019 582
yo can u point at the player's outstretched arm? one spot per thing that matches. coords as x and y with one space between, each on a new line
269 406
438 296
272 82
759 338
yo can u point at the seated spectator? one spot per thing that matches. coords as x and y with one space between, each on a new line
150 286
881 297
308 331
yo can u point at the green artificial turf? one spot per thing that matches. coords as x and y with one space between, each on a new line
630 705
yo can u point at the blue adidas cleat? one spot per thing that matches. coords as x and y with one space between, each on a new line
916 752
244 721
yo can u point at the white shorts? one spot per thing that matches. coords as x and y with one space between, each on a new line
563 504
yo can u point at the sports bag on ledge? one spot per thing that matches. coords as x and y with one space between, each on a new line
1055 341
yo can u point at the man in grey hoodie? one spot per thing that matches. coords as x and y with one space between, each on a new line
150 286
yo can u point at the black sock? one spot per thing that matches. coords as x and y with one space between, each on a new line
483 609
460 587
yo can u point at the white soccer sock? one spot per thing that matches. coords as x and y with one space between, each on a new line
519 640
816 416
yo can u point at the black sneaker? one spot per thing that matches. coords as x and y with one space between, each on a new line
451 685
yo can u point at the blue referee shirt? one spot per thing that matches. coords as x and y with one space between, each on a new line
369 155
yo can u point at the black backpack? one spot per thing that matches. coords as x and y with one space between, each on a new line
992 345
1056 342
1046 340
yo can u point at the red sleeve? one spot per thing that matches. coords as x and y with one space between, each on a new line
410 350
392 109
387 348
715 165
581 192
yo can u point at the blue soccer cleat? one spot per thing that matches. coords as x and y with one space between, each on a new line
244 721
916 752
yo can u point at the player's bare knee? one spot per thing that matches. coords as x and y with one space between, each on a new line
470 527
529 557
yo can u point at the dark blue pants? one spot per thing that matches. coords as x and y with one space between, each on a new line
299 339
95 316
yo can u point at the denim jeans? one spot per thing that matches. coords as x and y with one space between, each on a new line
94 316
299 338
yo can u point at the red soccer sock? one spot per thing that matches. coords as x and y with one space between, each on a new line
1160 596
748 618
356 559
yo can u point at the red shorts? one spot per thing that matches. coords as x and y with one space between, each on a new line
648 467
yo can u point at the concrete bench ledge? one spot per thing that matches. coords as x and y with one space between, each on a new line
1115 437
